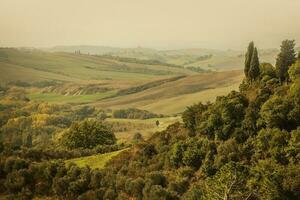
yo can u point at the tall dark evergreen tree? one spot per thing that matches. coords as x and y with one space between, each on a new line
254 72
285 59
248 57
299 55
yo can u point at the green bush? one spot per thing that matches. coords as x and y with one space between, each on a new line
133 113
88 134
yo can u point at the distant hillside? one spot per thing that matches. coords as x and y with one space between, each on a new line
112 82
126 77
35 65
85 49
173 96
100 50
206 59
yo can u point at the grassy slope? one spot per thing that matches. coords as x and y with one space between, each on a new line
94 161
125 128
167 98
232 60
156 98
13 72
38 65
178 104
220 61
34 65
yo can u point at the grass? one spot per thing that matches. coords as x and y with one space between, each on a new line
178 104
94 161
35 65
171 97
220 61
81 70
124 129
58 98
39 65
12 72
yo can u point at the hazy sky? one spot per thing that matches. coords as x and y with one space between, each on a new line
149 23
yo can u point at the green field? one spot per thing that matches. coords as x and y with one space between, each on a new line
94 161
124 129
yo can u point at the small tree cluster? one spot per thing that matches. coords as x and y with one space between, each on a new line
88 134
252 70
133 113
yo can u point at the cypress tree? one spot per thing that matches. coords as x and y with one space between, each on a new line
285 59
254 71
248 57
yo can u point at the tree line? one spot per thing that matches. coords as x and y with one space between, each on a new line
286 58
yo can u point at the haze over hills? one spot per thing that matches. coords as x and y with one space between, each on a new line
150 100
91 74
94 49
208 59
97 73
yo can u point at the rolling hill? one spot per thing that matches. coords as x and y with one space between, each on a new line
172 97
34 65
208 59
117 82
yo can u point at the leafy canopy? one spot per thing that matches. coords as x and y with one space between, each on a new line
88 134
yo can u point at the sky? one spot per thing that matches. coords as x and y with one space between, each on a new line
160 24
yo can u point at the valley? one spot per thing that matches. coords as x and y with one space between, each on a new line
145 124
127 78
149 100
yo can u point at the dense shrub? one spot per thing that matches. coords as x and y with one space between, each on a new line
133 113
88 134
